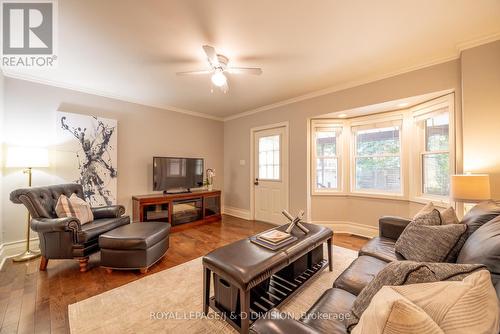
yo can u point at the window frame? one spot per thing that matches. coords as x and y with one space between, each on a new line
338 128
280 161
374 123
420 114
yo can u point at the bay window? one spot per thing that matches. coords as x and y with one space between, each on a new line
377 158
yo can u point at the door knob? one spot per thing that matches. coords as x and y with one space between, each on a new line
256 181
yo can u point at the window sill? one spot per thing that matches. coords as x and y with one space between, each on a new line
437 201
360 195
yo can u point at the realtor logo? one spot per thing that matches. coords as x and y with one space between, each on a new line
28 30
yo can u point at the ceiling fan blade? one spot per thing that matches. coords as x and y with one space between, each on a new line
211 55
194 72
245 70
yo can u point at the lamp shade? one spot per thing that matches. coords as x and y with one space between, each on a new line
470 188
26 157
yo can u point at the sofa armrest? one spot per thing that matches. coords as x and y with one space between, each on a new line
392 227
111 211
43 225
276 323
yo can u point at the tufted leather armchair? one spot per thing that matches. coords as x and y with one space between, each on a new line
66 238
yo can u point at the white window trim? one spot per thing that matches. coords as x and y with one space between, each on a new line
419 114
411 166
339 128
378 122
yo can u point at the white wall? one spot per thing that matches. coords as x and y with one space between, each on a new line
143 132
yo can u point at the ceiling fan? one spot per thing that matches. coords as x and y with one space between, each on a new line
218 66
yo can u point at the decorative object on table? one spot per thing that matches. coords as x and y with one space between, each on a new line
295 221
470 188
209 179
88 155
27 158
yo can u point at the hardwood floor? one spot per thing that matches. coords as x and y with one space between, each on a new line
36 302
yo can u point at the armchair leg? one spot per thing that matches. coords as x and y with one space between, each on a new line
43 263
84 261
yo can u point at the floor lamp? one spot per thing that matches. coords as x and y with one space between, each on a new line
27 158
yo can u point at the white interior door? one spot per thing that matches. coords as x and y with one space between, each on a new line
270 173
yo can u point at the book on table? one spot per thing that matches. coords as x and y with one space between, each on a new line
274 236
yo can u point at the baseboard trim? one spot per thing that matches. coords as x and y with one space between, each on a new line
236 212
12 248
350 227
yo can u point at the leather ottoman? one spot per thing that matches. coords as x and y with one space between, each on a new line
134 246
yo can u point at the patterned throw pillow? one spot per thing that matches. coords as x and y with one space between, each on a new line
74 206
468 306
448 215
426 240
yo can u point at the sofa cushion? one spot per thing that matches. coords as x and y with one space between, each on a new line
359 274
382 248
426 240
337 304
468 306
94 229
479 215
483 246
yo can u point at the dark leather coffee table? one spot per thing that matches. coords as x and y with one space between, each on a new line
249 279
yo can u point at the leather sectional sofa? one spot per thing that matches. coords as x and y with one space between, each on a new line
373 257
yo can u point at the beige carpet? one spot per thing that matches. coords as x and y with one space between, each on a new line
175 298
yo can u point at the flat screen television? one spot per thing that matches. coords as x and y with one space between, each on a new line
174 175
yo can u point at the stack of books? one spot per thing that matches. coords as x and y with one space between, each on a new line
273 239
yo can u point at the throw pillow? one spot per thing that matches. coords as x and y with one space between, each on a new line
469 306
74 206
408 272
428 208
426 240
449 216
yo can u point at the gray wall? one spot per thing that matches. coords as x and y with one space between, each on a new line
327 208
143 132
2 96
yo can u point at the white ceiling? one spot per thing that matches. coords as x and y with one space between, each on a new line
132 49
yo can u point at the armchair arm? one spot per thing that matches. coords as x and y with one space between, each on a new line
275 323
392 227
111 211
43 225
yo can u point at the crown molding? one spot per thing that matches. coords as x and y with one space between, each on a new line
350 84
346 85
105 94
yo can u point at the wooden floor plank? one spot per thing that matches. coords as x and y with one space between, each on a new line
37 302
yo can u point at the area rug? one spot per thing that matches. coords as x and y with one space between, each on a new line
171 302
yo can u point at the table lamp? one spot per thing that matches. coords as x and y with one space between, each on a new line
27 158
470 188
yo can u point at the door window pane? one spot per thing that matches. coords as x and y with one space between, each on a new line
378 160
436 170
269 158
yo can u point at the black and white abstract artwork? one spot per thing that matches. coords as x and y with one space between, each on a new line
87 154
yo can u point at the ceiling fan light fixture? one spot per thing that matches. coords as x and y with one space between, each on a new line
219 79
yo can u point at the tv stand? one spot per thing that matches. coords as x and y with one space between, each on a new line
178 208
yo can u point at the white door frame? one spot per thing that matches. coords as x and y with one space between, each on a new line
252 163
